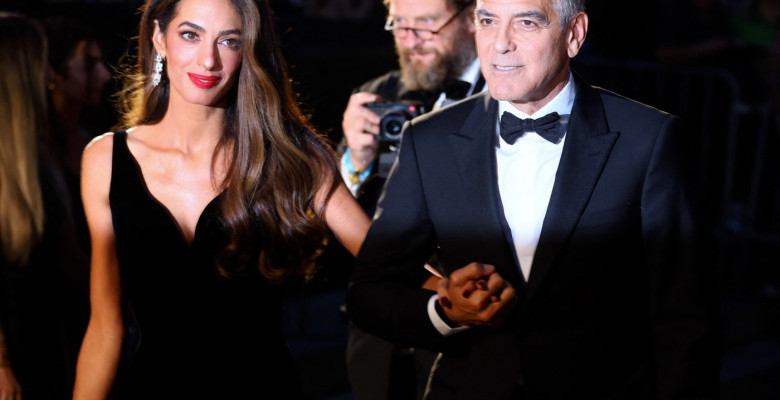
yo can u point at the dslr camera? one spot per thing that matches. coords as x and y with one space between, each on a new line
393 115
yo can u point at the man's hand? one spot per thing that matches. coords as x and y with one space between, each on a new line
476 295
361 127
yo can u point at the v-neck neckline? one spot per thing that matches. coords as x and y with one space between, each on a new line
165 208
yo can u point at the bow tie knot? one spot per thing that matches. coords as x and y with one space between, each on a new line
548 127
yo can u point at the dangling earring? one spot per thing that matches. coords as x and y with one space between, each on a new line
158 67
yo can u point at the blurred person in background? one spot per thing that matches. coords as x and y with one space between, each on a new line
75 86
35 349
76 81
434 41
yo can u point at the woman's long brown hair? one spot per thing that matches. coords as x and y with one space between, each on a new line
23 112
277 163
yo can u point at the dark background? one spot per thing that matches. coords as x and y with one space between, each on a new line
726 100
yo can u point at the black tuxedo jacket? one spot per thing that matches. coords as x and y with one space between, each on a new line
616 305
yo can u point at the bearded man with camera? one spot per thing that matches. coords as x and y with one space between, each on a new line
434 41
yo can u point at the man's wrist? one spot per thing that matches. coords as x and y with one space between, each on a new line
439 318
353 176
361 159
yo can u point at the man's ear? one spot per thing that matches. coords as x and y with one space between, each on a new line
158 39
53 79
578 30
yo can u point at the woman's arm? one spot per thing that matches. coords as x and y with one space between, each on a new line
101 349
346 219
9 387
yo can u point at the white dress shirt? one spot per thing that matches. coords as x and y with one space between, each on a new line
526 174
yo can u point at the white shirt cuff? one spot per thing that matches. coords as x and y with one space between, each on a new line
439 323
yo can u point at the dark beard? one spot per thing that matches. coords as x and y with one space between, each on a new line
447 66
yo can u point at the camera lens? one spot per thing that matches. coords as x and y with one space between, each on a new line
392 126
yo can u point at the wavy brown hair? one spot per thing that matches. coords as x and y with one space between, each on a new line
23 112
277 163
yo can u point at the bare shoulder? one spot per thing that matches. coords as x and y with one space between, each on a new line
99 149
96 159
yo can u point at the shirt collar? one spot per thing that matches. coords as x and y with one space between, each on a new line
471 75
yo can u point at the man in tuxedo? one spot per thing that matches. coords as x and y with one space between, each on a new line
567 243
434 41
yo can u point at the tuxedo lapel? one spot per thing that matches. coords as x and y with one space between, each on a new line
473 142
586 150
473 146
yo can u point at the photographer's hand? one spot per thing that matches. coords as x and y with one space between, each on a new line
361 127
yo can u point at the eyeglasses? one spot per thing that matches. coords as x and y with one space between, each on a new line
401 32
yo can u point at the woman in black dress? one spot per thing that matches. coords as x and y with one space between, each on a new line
218 192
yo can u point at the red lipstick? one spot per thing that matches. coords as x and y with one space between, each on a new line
204 81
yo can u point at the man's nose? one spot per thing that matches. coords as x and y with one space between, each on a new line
411 40
503 41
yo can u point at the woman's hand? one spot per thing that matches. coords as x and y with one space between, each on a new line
9 387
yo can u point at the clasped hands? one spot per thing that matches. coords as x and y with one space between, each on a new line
476 295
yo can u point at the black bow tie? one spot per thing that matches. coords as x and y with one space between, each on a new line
547 127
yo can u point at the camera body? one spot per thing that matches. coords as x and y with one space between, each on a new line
393 115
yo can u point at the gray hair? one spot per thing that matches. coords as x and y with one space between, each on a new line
567 10
452 5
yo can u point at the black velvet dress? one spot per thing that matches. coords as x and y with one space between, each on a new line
199 335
